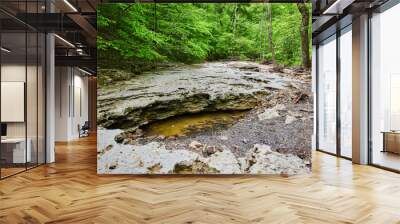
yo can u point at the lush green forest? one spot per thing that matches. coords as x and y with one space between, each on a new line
137 36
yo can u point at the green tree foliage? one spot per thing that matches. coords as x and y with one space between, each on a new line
137 36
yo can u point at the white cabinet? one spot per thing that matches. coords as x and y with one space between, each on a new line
17 146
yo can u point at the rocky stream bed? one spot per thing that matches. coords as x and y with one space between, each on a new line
220 117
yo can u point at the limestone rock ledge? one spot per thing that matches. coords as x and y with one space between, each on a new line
158 95
154 158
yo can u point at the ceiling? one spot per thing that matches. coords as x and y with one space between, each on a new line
74 21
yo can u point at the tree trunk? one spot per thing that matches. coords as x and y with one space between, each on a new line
305 41
234 19
234 24
270 41
263 34
261 39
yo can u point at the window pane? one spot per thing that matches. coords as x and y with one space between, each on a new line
386 89
31 97
346 93
327 96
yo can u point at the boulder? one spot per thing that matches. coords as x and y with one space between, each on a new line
262 160
225 162
143 159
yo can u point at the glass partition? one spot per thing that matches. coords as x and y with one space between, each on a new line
14 153
327 95
32 97
22 77
41 97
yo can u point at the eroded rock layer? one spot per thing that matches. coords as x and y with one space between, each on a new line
186 89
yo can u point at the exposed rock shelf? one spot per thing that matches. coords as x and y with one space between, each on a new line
186 89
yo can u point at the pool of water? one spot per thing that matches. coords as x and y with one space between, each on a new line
189 124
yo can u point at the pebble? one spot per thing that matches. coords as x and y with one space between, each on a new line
224 138
195 145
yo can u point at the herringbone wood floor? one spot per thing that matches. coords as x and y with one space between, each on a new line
70 191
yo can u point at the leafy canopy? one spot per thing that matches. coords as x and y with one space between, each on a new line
136 36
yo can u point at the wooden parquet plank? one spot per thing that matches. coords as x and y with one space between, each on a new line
70 191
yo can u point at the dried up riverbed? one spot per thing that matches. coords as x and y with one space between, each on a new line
222 117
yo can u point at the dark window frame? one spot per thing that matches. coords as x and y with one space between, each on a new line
30 30
339 28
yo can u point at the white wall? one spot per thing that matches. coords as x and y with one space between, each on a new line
71 102
33 126
14 72
62 81
80 109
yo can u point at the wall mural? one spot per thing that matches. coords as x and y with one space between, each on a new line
204 89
